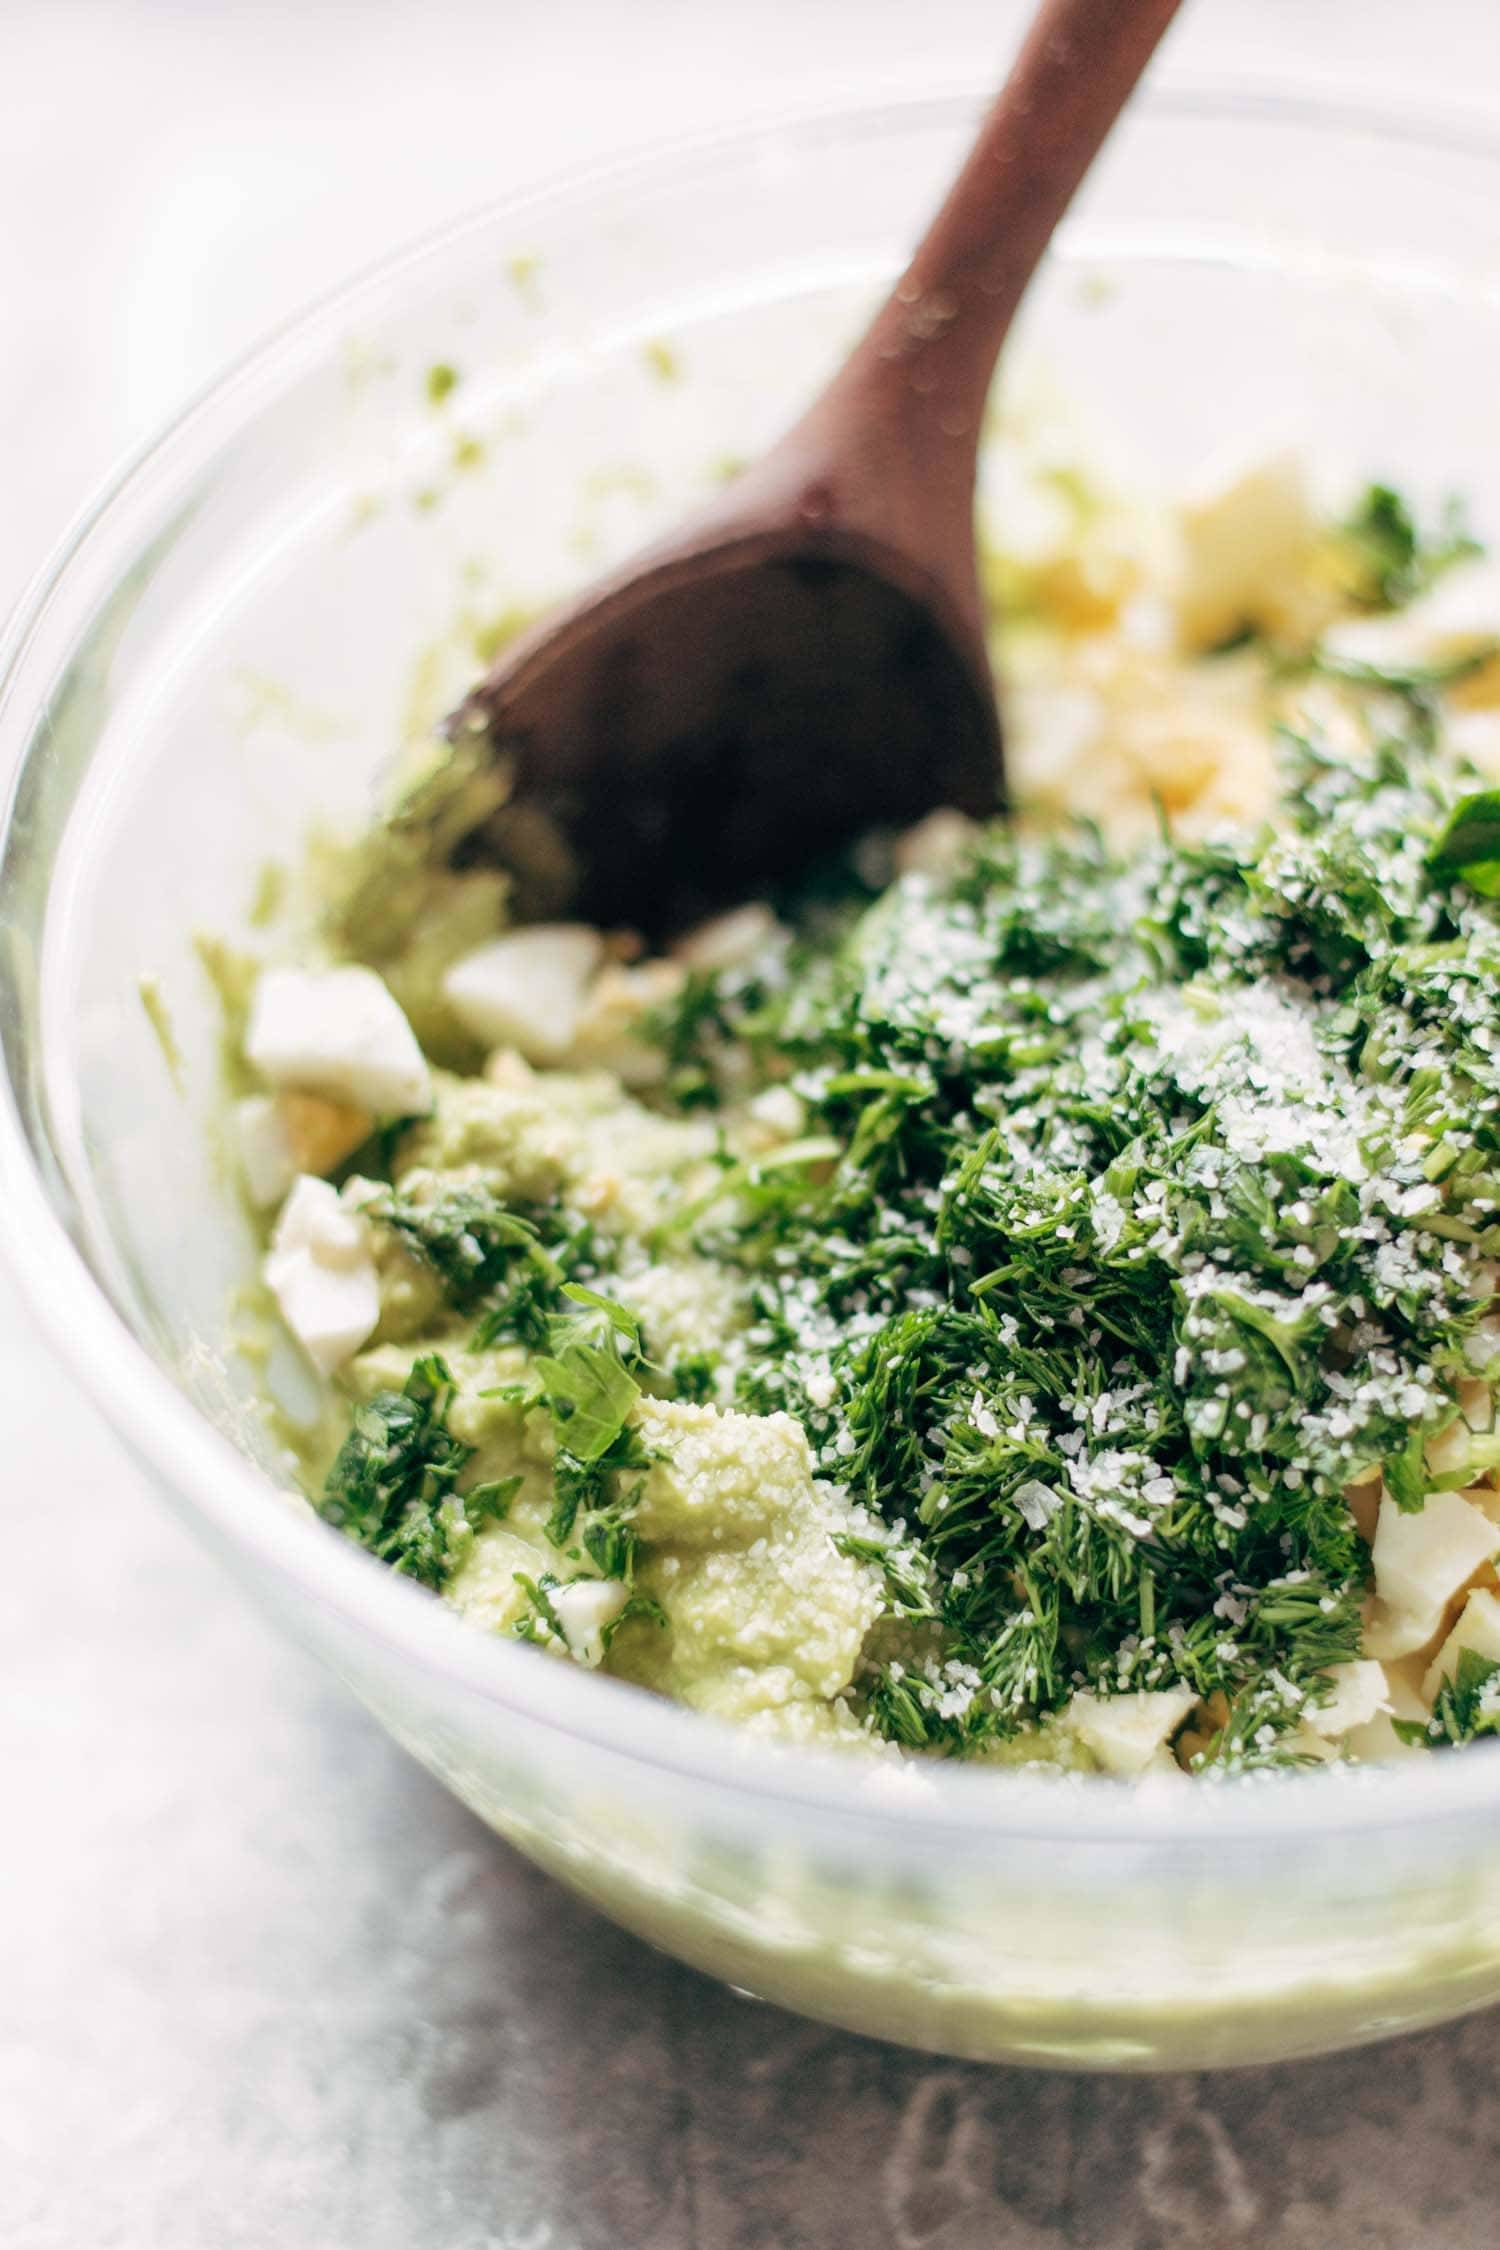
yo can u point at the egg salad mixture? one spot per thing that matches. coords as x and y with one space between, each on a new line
1029 1295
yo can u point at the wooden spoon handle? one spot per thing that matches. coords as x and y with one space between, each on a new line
927 359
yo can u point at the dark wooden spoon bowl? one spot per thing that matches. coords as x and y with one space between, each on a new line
805 659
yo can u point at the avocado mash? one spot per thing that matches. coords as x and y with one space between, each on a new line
1027 1296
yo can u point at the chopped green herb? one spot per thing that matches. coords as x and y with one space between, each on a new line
907 1574
642 1606
1394 561
1469 845
469 1239
1134 1255
693 1378
540 1622
1465 1707
585 1377
393 1483
490 1503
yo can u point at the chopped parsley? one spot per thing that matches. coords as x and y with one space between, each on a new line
521 1272
588 1381
393 1484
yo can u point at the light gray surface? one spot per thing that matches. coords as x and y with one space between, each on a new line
262 1983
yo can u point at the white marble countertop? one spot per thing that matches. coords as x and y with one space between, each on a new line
262 1982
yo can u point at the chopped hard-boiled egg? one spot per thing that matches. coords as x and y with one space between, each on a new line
526 989
1465 1449
777 1114
1478 1629
1458 618
320 1268
263 1149
1126 1733
1475 734
1359 1694
339 1033
1377 1738
936 845
585 1610
1421 1562
322 1133
729 941
607 1033
1245 537
279 1135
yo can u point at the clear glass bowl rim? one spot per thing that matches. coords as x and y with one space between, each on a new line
97 1346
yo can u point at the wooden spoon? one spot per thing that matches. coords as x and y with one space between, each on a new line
805 659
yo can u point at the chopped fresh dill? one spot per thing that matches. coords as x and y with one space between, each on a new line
1160 1192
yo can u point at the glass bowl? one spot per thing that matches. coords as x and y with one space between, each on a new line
227 651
